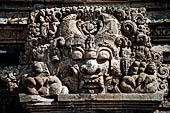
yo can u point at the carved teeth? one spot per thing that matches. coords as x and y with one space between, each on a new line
91 76
93 81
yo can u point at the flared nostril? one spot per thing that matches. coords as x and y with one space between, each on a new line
98 70
90 68
83 70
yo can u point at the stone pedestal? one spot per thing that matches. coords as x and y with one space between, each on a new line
93 103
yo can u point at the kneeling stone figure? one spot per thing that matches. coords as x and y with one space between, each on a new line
50 85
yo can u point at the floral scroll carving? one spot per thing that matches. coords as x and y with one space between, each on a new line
91 50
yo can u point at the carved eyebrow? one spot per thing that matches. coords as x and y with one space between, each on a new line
80 49
106 49
76 53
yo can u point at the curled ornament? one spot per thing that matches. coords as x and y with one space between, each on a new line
163 86
157 57
139 19
120 14
143 39
163 72
129 27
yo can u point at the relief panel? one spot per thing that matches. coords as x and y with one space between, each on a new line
90 50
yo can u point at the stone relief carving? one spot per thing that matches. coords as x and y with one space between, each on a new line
10 75
91 50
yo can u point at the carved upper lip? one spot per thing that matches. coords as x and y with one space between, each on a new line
90 76
91 86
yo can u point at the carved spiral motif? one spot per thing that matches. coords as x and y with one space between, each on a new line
156 57
120 41
129 27
33 42
121 14
162 87
163 72
9 74
143 39
139 19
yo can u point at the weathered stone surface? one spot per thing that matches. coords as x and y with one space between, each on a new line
92 50
15 15
142 97
111 97
89 102
74 97
13 35
34 98
90 97
160 31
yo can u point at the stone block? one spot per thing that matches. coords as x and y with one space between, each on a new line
109 97
142 97
34 98
73 97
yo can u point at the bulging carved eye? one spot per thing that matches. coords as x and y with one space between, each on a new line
104 55
77 55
